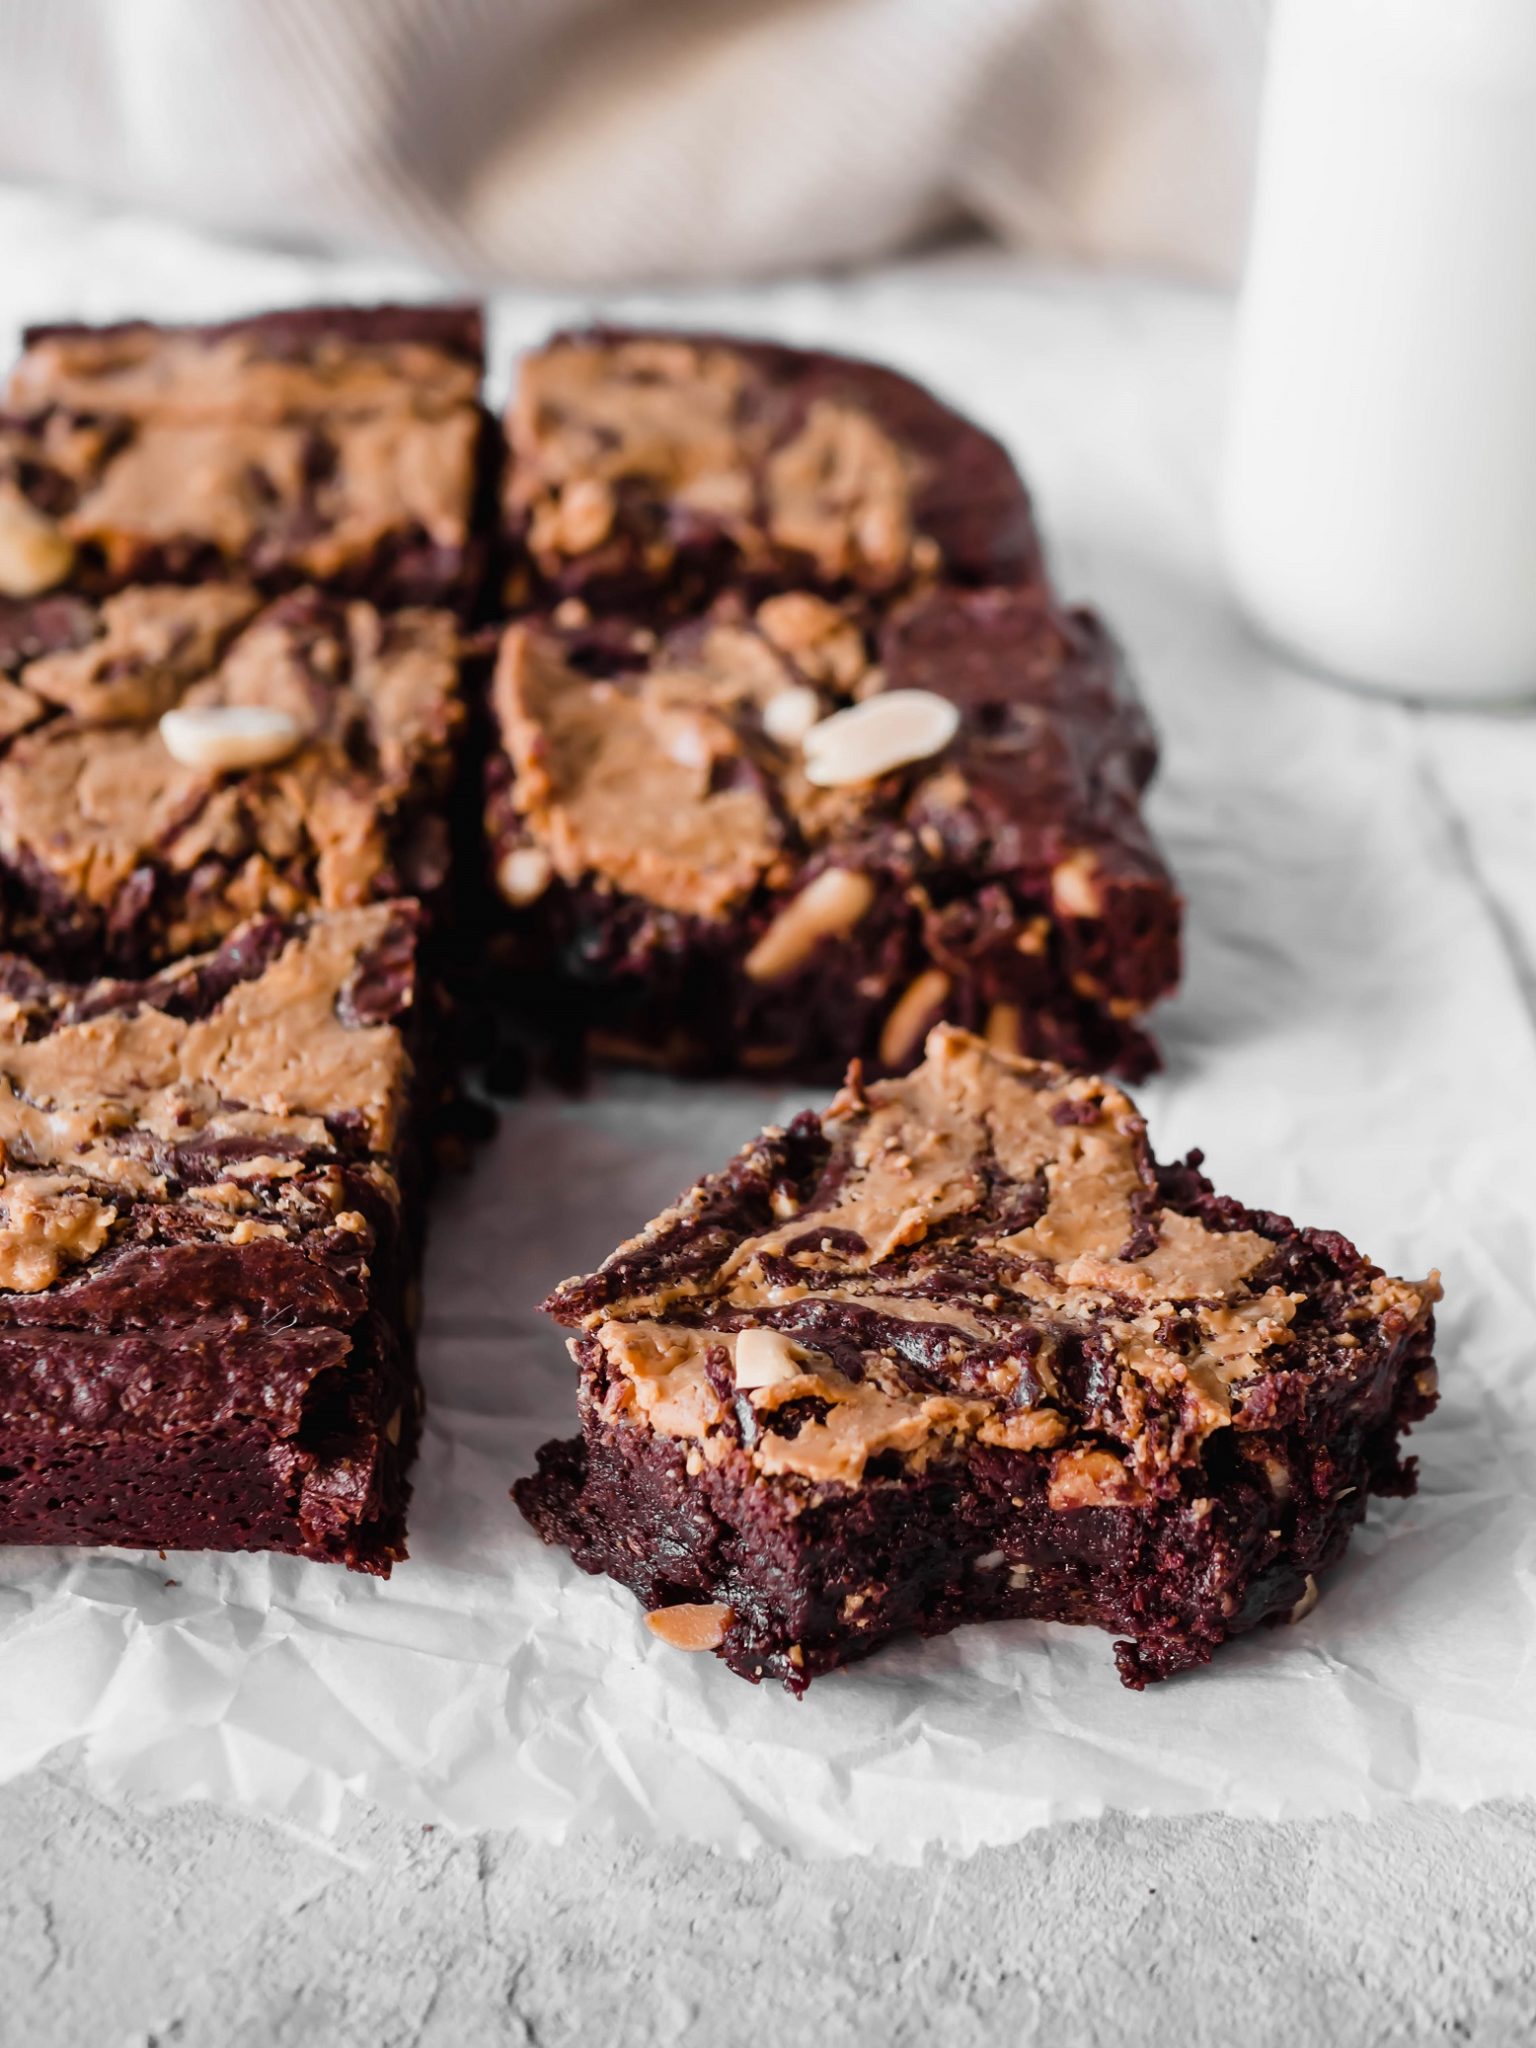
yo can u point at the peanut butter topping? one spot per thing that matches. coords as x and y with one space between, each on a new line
47 1222
230 442
658 412
824 643
144 372
86 1106
94 795
840 492
624 781
979 1229
152 643
689 782
597 421
273 1055
666 1367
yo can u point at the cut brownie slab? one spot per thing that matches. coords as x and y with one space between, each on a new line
208 1224
174 760
338 445
961 1350
774 841
647 469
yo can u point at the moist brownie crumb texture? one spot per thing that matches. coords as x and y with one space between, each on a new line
210 1188
962 1349
797 753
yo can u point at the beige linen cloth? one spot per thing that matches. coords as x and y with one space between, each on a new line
587 141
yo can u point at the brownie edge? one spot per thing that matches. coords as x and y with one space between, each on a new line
209 1234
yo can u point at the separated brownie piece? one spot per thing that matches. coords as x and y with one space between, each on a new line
648 469
208 1225
174 760
770 842
335 445
961 1349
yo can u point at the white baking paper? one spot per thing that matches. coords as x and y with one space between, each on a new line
1355 1044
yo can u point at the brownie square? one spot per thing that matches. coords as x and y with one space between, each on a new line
336 445
209 1223
776 838
961 1349
317 743
649 469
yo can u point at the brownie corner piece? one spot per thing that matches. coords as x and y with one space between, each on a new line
209 1225
330 444
777 838
960 1349
650 468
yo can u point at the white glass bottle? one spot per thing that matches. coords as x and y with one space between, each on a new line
1379 500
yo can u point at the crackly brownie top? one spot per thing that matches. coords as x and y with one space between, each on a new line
984 1252
90 792
306 439
693 772
229 1109
662 442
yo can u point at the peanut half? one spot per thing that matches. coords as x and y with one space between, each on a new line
695 1626
886 731
223 737
825 908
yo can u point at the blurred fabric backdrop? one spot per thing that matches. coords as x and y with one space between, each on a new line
611 141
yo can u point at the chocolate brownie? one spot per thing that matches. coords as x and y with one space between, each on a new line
775 840
208 1221
650 469
961 1349
173 760
334 445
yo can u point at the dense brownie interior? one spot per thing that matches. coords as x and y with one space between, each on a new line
962 1349
692 894
209 1222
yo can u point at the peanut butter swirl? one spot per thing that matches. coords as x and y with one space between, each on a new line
91 1106
597 421
92 799
975 1245
322 453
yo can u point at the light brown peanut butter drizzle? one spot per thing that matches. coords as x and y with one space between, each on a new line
685 783
619 780
82 1105
918 1163
593 417
143 372
221 433
94 792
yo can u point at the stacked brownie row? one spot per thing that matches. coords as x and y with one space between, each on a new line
797 752
236 569
794 752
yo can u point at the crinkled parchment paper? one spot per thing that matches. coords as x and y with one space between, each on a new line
1356 1044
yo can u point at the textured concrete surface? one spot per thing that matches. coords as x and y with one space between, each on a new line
203 1929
